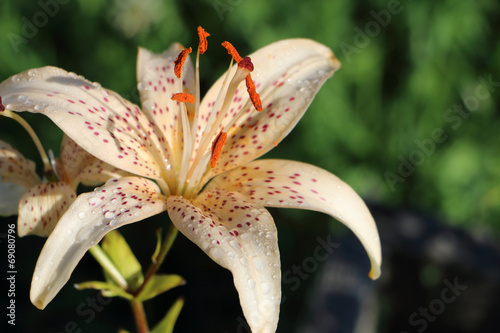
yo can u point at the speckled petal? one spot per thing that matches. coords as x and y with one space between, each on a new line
78 166
10 195
41 207
242 238
157 84
287 74
92 215
290 184
15 168
100 121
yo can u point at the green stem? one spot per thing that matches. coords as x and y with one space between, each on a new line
103 259
46 162
140 316
165 247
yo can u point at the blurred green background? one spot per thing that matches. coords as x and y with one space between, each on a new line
411 121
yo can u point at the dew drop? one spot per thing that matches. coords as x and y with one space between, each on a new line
243 262
109 215
216 253
142 86
251 283
259 263
82 215
21 98
234 245
265 287
148 105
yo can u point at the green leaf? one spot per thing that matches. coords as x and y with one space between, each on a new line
124 259
107 289
158 284
166 325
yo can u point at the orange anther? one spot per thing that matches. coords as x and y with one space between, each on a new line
180 61
202 34
217 148
254 96
232 51
183 97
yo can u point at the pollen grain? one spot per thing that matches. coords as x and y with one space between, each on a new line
217 148
180 61
232 51
183 97
202 34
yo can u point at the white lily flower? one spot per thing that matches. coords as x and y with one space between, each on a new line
212 188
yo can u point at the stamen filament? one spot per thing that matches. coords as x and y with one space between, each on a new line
240 74
202 47
186 152
200 153
46 162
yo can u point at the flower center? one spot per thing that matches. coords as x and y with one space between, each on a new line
197 157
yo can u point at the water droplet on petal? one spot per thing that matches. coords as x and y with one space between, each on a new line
251 283
259 263
82 215
243 262
265 287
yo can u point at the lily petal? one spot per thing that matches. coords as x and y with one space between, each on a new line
100 121
78 166
15 168
290 184
41 207
92 215
157 84
242 238
10 194
287 74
